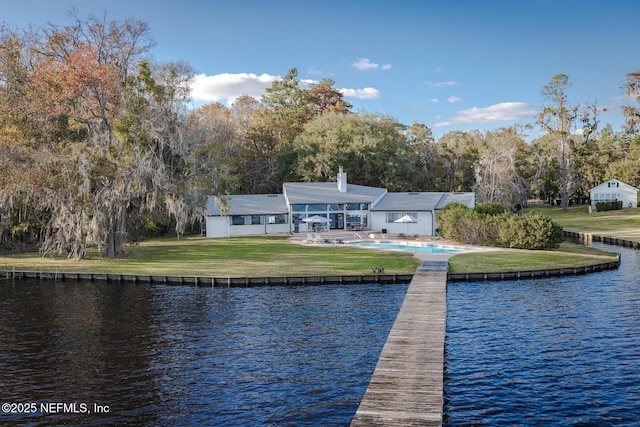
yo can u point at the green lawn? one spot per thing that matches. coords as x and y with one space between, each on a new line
233 257
568 255
623 224
276 256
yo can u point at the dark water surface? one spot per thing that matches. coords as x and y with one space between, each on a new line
97 354
553 352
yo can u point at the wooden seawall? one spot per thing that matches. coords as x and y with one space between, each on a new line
406 388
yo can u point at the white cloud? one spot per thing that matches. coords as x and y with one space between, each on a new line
434 100
366 93
366 64
441 84
491 114
230 86
453 99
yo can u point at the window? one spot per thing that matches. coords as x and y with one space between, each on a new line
317 207
277 219
298 208
392 216
237 220
256 219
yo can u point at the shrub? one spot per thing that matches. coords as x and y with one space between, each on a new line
461 224
490 208
448 217
608 206
532 231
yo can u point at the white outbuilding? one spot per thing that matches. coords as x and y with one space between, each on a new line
614 190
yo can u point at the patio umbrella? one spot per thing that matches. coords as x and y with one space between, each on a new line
316 218
406 219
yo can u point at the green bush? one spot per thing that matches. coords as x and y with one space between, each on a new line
531 231
608 206
449 217
490 208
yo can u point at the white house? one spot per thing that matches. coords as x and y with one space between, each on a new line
343 206
614 190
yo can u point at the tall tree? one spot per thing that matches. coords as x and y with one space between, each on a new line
499 171
632 90
102 126
423 154
559 119
325 98
370 147
457 152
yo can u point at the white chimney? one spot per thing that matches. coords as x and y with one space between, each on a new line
342 181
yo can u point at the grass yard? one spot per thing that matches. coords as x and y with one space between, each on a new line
622 224
568 255
232 257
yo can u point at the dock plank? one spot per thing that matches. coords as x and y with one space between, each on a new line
406 388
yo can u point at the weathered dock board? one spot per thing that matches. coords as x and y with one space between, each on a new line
406 388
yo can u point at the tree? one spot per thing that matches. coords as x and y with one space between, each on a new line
286 107
632 90
325 99
559 119
370 147
102 127
457 152
423 155
498 170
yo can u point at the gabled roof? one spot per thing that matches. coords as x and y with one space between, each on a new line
417 202
250 204
327 192
605 186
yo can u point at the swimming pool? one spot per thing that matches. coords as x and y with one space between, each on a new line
410 246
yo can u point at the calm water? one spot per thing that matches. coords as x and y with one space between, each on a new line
554 352
162 355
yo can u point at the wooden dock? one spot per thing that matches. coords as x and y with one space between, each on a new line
407 385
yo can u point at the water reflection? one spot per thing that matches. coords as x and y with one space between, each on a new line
161 355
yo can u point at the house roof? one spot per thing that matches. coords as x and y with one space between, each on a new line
250 204
328 192
604 185
417 202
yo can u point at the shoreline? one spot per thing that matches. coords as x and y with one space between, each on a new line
302 280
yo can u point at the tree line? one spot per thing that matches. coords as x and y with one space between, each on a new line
98 145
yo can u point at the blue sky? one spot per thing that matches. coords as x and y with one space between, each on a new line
452 65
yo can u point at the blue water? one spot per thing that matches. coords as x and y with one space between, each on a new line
553 352
409 246
178 356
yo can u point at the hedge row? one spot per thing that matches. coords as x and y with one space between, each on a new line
608 206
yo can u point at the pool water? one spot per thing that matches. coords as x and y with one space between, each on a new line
410 246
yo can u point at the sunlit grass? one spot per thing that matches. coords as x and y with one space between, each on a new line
623 224
232 257
568 255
